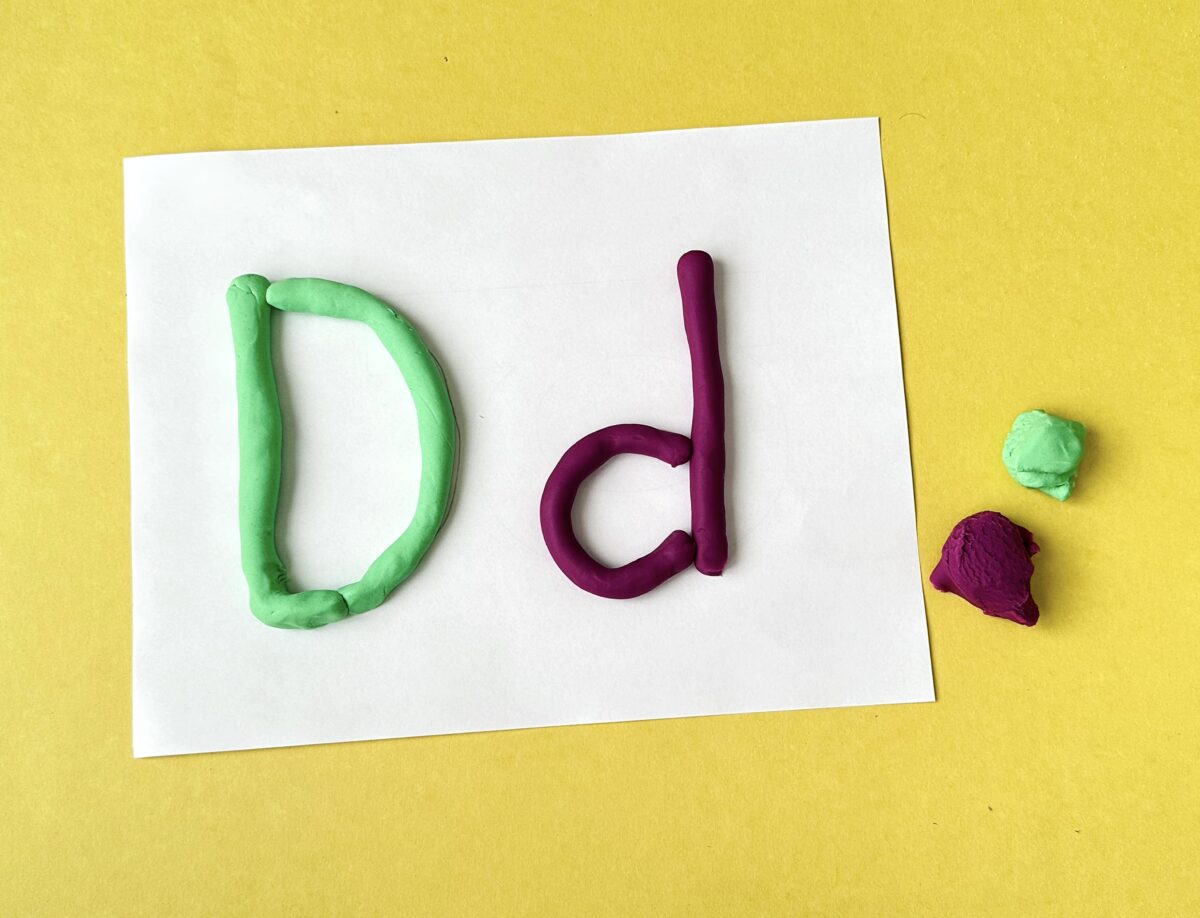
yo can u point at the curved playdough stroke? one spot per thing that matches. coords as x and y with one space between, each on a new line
708 545
251 300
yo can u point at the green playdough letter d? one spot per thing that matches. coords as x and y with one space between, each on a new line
252 300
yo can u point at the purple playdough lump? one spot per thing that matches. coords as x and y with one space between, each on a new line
986 561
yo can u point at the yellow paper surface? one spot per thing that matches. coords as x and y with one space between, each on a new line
1043 190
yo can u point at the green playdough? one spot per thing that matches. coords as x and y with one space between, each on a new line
1043 451
260 444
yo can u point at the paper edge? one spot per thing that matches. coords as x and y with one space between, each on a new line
503 140
569 725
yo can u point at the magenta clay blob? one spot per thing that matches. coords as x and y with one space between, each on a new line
986 561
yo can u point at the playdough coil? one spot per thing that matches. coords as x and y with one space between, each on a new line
704 450
251 300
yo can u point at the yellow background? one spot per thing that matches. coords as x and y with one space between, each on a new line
1042 174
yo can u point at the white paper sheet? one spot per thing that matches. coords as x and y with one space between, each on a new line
542 274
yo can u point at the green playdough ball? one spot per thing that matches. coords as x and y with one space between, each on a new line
1043 452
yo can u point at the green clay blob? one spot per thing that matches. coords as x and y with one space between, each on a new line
1043 451
252 300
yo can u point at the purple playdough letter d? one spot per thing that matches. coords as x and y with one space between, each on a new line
707 546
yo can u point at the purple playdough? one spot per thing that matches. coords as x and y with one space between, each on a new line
674 553
986 561
697 288
705 449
